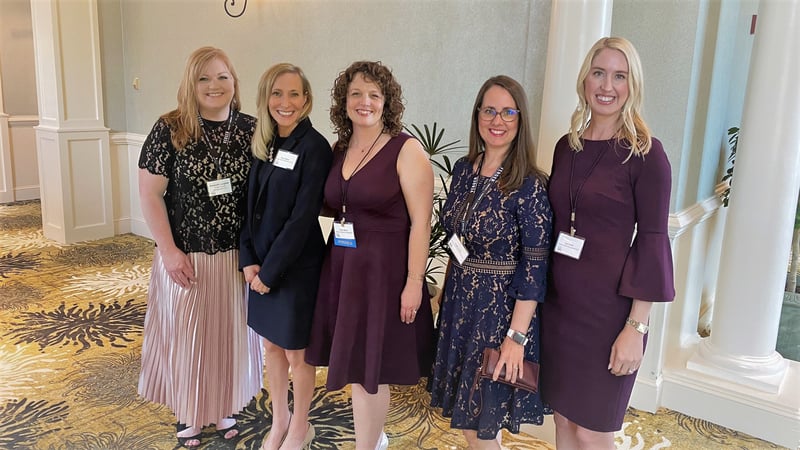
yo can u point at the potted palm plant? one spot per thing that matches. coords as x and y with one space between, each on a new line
431 138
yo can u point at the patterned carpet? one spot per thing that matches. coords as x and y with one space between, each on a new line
71 321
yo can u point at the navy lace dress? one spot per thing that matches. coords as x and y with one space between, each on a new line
508 237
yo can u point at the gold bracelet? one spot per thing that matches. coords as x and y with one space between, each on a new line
642 328
413 276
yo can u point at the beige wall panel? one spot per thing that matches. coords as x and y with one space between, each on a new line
87 182
24 160
79 63
51 194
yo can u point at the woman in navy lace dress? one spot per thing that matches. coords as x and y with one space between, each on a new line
498 220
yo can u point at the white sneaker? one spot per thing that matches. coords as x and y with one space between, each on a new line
383 442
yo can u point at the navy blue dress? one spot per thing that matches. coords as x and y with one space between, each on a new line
282 234
508 237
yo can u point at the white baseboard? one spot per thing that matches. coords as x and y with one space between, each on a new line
773 418
26 193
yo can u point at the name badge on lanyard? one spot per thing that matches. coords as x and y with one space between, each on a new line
344 235
458 249
569 245
219 187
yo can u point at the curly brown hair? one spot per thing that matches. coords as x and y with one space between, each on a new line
393 107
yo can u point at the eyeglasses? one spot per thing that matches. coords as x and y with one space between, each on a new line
507 114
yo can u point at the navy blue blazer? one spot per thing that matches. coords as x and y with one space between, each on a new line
281 231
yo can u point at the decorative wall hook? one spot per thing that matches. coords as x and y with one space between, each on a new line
233 5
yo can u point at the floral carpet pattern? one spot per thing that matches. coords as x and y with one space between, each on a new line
71 320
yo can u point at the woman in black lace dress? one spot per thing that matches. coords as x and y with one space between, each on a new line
198 355
498 219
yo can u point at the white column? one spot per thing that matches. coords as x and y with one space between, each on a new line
6 174
758 231
574 27
71 139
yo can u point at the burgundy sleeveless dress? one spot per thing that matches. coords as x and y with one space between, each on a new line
356 330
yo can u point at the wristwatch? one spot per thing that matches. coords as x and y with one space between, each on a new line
517 337
638 326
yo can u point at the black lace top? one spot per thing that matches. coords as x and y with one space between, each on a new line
199 222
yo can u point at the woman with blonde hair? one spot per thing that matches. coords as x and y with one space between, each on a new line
282 244
198 356
609 189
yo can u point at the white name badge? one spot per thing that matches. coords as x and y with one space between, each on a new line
344 235
285 159
457 248
568 245
219 187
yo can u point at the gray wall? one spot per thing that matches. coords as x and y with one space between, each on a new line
440 51
16 58
112 64
694 55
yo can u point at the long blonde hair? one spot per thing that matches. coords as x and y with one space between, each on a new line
265 127
633 131
182 121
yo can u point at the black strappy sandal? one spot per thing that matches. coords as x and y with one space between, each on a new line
225 431
183 440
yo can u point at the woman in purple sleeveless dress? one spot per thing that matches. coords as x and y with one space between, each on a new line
609 190
373 324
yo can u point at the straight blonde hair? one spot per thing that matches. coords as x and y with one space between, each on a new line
182 121
265 127
633 131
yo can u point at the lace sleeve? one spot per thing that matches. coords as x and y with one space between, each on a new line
157 155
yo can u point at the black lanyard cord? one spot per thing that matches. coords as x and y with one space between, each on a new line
573 198
344 185
225 141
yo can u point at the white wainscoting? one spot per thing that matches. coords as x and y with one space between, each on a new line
23 182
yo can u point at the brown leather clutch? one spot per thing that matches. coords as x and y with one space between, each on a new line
530 371
528 382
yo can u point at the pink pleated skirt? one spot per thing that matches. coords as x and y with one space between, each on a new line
199 357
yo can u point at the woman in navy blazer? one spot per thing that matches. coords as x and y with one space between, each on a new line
282 245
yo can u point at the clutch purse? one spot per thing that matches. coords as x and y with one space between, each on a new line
528 382
530 371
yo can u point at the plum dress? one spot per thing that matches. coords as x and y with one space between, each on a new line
356 330
508 238
588 299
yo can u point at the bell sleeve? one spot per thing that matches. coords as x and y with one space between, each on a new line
648 272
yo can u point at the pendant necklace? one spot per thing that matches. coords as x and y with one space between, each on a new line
271 150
